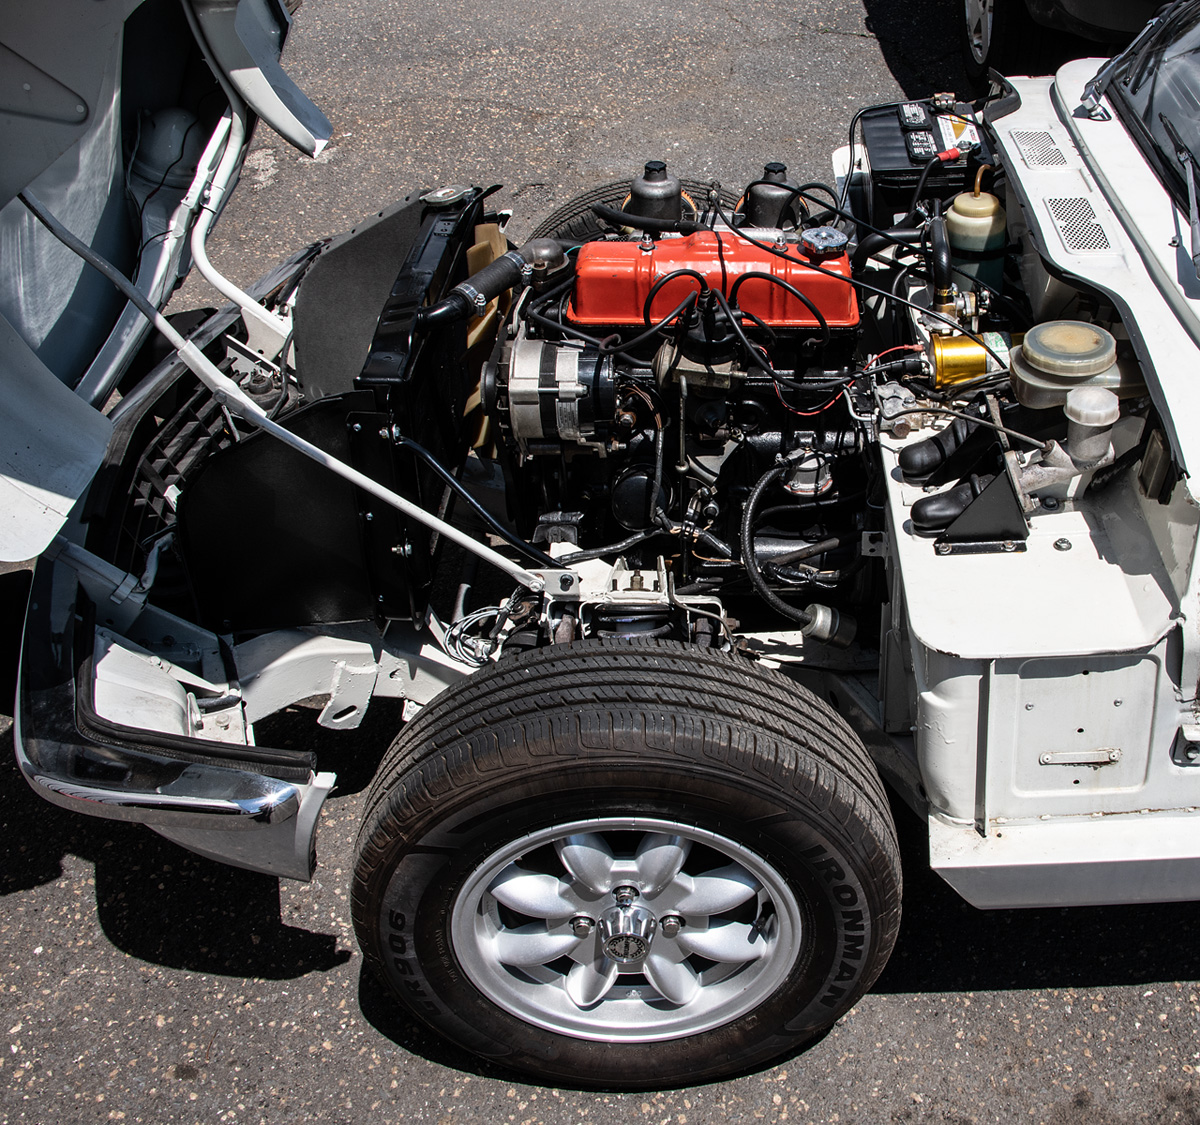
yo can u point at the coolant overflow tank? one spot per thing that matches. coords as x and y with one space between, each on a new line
977 226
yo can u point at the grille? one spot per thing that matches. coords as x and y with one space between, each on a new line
1038 149
1077 224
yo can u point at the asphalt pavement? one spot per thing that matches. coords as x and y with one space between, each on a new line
143 984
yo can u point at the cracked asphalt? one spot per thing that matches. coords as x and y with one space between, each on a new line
143 984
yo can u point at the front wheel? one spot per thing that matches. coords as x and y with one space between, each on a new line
627 865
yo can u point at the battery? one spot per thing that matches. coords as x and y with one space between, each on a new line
900 142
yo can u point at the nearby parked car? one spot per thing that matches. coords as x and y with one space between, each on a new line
680 528
1009 35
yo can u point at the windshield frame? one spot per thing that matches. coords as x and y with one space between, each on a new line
1131 93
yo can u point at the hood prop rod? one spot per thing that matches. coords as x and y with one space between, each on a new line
227 392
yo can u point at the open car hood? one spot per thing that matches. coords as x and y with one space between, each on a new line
117 117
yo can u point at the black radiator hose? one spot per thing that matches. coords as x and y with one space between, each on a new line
880 240
644 222
470 298
940 265
819 622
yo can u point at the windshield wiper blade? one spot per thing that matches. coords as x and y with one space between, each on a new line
1099 83
1184 155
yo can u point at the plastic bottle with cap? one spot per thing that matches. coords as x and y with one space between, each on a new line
978 230
1091 414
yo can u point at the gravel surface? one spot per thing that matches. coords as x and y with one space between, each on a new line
143 984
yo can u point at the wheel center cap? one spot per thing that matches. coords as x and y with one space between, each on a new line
626 933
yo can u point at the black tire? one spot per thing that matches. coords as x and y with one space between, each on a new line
647 732
576 220
1012 45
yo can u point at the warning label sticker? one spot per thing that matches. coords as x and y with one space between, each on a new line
954 130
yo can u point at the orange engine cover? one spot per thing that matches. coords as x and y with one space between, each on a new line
613 280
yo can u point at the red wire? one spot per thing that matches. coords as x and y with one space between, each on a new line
897 348
805 413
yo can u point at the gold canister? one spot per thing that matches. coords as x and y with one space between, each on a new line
959 359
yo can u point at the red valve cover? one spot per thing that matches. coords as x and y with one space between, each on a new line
613 280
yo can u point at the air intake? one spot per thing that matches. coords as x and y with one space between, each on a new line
1077 224
1038 149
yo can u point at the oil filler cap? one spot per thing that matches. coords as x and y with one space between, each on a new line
1070 349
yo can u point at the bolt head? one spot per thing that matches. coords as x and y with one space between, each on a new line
564 582
670 925
941 548
582 926
1062 544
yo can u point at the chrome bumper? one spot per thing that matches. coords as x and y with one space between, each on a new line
259 812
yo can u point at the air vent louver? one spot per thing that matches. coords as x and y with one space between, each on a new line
1038 149
1077 224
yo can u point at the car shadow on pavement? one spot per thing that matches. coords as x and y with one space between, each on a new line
946 945
920 43
385 1014
154 900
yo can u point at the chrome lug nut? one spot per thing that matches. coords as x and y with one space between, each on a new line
670 924
582 926
625 895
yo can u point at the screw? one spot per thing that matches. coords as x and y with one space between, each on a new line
368 516
357 427
564 582
1028 706
1009 545
582 926
941 548
385 433
670 925
1062 544
1118 702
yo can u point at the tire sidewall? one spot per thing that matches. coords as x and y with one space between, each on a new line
414 952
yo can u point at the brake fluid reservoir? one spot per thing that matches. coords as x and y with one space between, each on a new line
977 227
1058 355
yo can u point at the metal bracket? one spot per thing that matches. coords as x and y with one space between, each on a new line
1106 757
875 544
979 547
